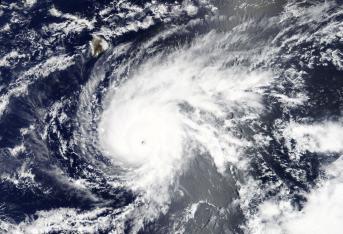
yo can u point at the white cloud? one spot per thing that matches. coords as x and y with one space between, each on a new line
30 3
322 213
19 86
171 106
317 137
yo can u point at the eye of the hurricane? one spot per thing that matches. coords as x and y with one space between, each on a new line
140 132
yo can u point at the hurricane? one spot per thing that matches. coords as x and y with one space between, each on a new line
171 116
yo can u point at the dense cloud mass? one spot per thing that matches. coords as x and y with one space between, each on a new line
171 116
